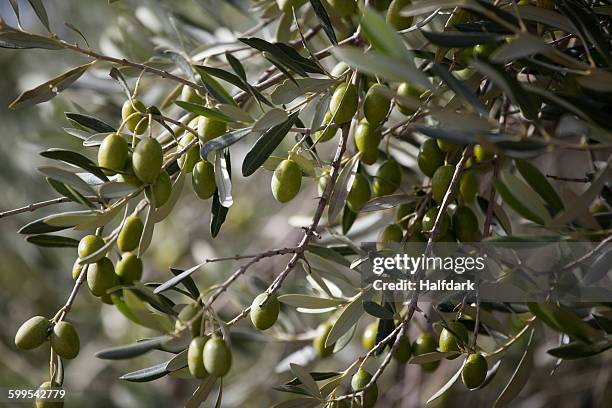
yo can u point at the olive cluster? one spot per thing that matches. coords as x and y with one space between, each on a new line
454 339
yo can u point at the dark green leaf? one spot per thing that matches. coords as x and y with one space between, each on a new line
39 227
49 89
578 349
204 111
90 122
132 350
265 145
519 377
317 376
284 55
377 310
458 39
51 241
40 11
12 38
222 142
69 192
76 159
214 88
118 76
540 184
459 87
326 23
187 282
348 218
146 374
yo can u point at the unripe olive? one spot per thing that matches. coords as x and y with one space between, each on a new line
129 268
391 233
47 402
388 178
217 357
286 181
446 146
343 104
448 340
423 344
465 224
113 153
481 154
187 313
359 193
380 5
326 134
147 160
129 108
189 94
429 220
128 176
430 157
319 341
344 8
65 340
404 350
208 128
474 371
191 156
162 187
376 104
339 69
203 179
440 182
360 380
468 186
404 213
321 184
264 317
130 234
195 357
368 339
89 244
76 269
367 139
101 277
32 333
484 51
405 89
393 15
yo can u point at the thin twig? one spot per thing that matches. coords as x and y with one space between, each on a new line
35 206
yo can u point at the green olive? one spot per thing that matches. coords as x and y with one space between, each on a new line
404 350
481 154
440 182
187 313
89 244
359 193
388 178
147 160
446 146
326 134
343 104
484 51
376 104
468 186
407 90
264 317
321 184
48 402
339 69
393 15
403 213
101 277
367 139
286 181
448 338
65 340
474 371
113 153
130 234
188 94
430 157
368 339
208 128
195 357
217 357
130 108
344 8
391 233
361 379
380 5
128 176
319 341
129 268
203 179
162 187
429 220
76 269
32 333
465 225
424 344
191 157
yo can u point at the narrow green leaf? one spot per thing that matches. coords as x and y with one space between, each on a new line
305 378
521 198
342 187
539 183
519 377
13 38
132 350
326 23
578 349
41 13
77 159
90 122
204 111
289 90
382 36
53 241
146 374
376 310
347 318
459 39
309 302
221 142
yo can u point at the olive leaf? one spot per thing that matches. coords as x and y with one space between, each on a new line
386 202
215 88
289 90
221 142
306 379
521 198
348 317
52 241
579 349
265 145
342 187
13 38
383 37
448 384
66 177
519 377
49 89
323 17
459 39
146 374
132 350
376 310
204 111
525 45
284 55
69 192
41 13
77 159
202 392
460 88
271 118
90 122
309 302
539 183
223 181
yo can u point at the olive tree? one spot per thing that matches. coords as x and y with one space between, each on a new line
433 118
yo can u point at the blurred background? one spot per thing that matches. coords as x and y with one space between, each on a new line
35 281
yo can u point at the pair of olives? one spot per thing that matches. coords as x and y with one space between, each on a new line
368 341
360 380
209 356
342 108
441 181
36 330
464 223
